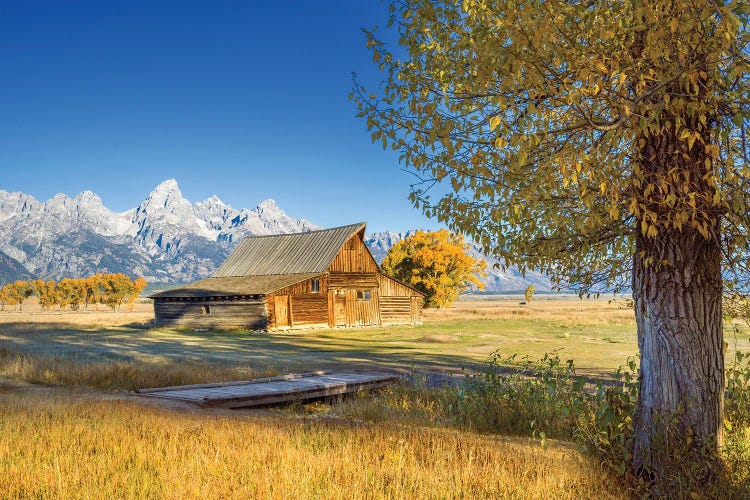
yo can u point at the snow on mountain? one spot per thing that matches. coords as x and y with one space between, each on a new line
214 212
497 279
509 279
162 220
166 238
266 218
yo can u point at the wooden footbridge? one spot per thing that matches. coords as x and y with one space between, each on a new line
266 391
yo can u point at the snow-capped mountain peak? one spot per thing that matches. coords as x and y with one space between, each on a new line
165 238
214 212
266 218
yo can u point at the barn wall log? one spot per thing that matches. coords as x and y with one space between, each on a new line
309 309
390 287
395 310
250 314
363 281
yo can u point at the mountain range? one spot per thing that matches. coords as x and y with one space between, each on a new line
166 238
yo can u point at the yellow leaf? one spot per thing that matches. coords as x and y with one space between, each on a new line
494 122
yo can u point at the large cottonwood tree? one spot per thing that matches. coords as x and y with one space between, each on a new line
600 141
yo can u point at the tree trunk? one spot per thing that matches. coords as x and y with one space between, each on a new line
678 313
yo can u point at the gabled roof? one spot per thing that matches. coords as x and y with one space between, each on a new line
311 252
239 285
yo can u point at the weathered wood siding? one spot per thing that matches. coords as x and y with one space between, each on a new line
300 310
309 310
392 288
336 308
344 308
240 313
398 303
361 312
416 310
395 310
304 287
362 281
282 317
354 257
298 306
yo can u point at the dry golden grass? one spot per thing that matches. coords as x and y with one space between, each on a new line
96 315
54 448
568 309
69 443
118 375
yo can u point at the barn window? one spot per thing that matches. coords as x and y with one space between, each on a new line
206 309
315 286
363 294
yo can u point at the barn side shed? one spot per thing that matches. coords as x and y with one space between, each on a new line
325 278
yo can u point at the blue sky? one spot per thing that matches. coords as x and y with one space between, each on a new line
245 100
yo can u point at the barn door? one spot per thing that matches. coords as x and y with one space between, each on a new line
339 308
281 310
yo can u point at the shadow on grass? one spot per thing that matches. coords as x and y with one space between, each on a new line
405 349
285 351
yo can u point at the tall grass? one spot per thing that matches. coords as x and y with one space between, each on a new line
53 448
119 375
545 399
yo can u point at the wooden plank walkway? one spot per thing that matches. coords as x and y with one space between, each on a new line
265 391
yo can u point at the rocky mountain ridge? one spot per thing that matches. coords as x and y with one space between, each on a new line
166 238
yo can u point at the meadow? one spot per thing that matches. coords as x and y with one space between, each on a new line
600 335
71 429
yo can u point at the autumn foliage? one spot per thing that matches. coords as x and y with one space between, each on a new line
435 263
604 143
75 293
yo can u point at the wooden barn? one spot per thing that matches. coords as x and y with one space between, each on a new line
324 278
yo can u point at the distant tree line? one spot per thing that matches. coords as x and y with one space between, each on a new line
112 290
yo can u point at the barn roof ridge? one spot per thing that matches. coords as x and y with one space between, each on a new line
289 253
359 226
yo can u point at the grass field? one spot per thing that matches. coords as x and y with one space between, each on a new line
61 441
598 334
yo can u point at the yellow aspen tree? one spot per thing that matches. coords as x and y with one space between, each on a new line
435 263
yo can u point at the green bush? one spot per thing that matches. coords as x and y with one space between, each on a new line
737 402
546 399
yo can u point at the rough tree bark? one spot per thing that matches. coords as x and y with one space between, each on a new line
678 312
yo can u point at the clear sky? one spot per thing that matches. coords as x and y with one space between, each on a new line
247 100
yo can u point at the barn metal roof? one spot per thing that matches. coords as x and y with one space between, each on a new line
310 252
235 285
